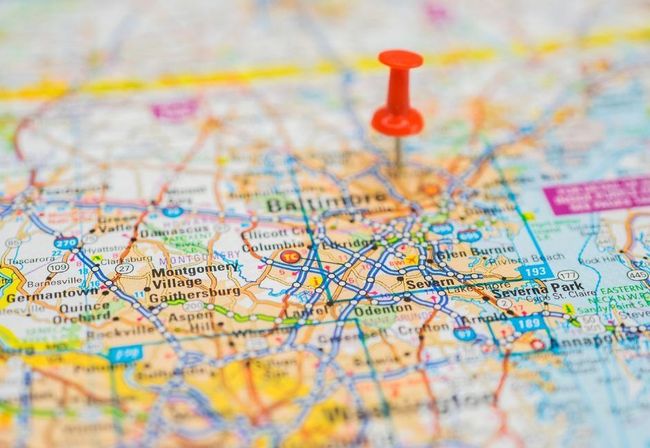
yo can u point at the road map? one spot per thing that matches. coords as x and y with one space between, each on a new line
203 244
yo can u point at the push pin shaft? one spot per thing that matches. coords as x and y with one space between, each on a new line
397 118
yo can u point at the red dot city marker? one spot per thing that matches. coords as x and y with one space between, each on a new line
537 345
397 118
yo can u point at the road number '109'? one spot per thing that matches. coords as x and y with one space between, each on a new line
57 267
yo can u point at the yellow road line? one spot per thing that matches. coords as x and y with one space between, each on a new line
48 89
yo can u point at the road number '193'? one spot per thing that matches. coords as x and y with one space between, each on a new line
535 271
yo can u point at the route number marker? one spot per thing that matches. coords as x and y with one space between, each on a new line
290 256
591 323
637 274
443 228
535 271
173 211
89 239
66 242
469 236
12 243
465 333
124 268
568 275
504 303
193 306
125 354
528 323
57 267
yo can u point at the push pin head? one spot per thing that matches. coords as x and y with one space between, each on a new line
397 118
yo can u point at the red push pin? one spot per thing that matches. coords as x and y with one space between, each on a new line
397 118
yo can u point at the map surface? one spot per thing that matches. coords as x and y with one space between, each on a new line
202 242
